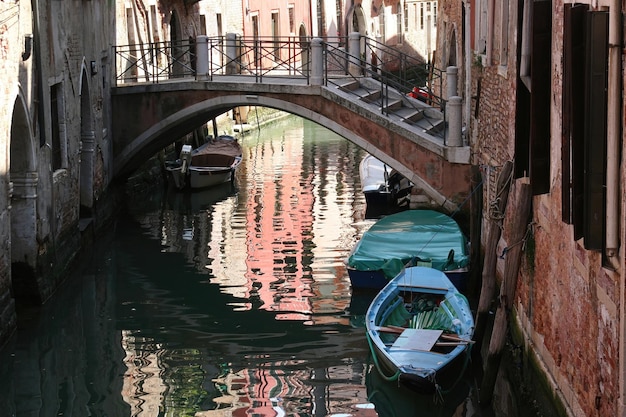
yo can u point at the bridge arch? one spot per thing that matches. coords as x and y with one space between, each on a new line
166 131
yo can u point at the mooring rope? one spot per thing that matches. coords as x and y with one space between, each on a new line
377 365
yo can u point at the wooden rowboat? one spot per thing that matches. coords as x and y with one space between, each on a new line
419 328
211 164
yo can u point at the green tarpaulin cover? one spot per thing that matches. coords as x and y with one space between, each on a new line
424 235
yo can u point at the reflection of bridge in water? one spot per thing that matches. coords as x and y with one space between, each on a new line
165 91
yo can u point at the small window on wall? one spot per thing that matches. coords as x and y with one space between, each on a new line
481 25
399 22
58 143
292 19
339 9
406 17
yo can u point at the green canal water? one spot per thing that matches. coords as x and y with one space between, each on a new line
233 301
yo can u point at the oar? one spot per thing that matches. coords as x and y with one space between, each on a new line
451 343
391 329
455 338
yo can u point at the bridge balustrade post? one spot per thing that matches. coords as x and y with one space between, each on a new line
452 80
202 58
231 53
455 121
354 50
317 62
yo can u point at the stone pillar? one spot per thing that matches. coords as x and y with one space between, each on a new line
231 53
202 58
317 62
455 121
451 79
354 49
23 230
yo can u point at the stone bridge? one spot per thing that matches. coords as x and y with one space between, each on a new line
407 134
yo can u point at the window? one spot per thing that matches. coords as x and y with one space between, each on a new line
275 27
255 37
203 24
381 24
292 19
503 51
481 27
339 9
399 21
406 17
154 23
57 120
421 15
435 14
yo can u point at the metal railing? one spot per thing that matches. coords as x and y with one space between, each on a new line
154 62
286 57
275 57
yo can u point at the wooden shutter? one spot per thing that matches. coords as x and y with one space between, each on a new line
541 75
522 108
595 129
572 148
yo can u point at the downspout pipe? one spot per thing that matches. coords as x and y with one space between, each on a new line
613 134
490 12
38 77
468 70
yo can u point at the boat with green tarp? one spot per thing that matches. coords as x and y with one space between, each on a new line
409 238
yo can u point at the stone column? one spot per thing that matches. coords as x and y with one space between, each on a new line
202 58
354 49
231 53
23 230
451 79
455 116
317 62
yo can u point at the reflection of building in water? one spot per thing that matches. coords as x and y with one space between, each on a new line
143 387
279 222
278 389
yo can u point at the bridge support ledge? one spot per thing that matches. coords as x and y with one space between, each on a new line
457 154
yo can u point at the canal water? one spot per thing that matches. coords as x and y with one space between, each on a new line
233 301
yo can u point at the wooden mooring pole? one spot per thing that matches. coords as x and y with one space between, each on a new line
488 285
513 253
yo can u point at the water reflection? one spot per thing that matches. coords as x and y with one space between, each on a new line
259 312
229 302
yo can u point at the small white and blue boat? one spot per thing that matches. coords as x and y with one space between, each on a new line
420 330
382 185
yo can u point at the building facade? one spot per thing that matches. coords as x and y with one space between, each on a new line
55 163
542 87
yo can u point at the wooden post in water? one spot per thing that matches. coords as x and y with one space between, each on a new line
507 291
488 286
